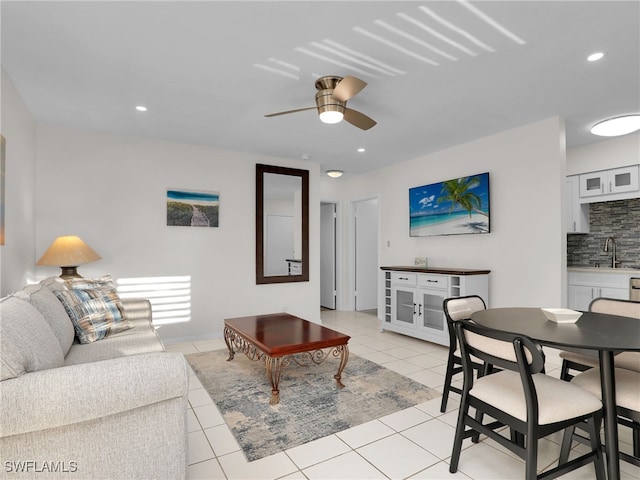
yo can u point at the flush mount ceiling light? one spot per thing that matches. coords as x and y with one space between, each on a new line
335 173
141 108
361 150
614 127
594 57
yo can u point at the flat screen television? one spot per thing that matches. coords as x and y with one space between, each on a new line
454 207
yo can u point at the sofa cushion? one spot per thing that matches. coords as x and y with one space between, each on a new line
27 343
43 299
94 308
132 342
54 283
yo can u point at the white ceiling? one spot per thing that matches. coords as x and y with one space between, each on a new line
208 70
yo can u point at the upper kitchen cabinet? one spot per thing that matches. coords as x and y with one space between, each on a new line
606 185
577 213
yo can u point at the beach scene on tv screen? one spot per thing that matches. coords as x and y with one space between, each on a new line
453 207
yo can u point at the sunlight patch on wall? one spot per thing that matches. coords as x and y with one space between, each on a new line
170 297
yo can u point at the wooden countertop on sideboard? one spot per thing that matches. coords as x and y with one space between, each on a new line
441 271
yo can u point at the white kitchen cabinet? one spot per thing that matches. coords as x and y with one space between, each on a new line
605 185
586 286
414 298
577 213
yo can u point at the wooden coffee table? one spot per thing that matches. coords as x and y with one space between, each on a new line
278 338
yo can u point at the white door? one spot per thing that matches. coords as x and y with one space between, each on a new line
366 254
328 255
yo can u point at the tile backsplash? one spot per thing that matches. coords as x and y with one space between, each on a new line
619 219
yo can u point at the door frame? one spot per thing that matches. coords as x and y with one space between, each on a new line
335 254
350 303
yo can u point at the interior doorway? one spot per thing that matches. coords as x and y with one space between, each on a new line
328 290
365 218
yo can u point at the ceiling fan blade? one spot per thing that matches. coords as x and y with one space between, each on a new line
358 119
348 87
291 111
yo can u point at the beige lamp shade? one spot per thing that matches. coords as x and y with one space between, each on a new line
68 252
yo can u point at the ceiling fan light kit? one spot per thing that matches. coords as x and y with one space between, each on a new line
331 101
331 116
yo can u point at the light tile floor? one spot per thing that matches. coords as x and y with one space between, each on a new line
414 443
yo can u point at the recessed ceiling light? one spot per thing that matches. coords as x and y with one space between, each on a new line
335 173
141 108
594 57
614 127
361 150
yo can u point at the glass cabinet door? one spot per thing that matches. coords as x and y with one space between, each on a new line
624 179
404 306
592 184
432 312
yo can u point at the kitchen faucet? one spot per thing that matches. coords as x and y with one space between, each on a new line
606 249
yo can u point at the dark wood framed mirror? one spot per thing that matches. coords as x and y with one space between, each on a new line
282 224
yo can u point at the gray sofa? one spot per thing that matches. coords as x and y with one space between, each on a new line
112 409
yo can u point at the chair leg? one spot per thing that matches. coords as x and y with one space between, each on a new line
531 455
564 371
517 437
593 427
635 432
479 417
567 439
447 384
457 441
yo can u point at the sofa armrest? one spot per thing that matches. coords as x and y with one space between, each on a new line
78 393
137 310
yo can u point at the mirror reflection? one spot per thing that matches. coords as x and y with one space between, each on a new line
282 242
281 224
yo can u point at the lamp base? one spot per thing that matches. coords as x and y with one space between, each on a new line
70 272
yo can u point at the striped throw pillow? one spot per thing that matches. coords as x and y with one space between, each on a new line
94 308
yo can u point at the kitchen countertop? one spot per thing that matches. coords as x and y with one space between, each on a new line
623 270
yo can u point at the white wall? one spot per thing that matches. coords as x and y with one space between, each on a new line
111 191
526 249
19 129
610 153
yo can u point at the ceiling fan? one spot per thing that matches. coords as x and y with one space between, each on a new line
331 101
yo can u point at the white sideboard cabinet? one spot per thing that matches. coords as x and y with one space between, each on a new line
413 298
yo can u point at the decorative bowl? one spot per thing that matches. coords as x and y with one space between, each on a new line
561 315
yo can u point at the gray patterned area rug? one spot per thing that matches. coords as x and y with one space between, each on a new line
311 405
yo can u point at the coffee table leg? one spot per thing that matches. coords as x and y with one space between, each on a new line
344 357
274 368
228 339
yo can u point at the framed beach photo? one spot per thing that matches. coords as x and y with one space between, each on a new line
191 208
454 207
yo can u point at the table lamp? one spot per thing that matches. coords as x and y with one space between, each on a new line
67 253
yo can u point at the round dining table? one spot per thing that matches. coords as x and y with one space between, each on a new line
605 333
